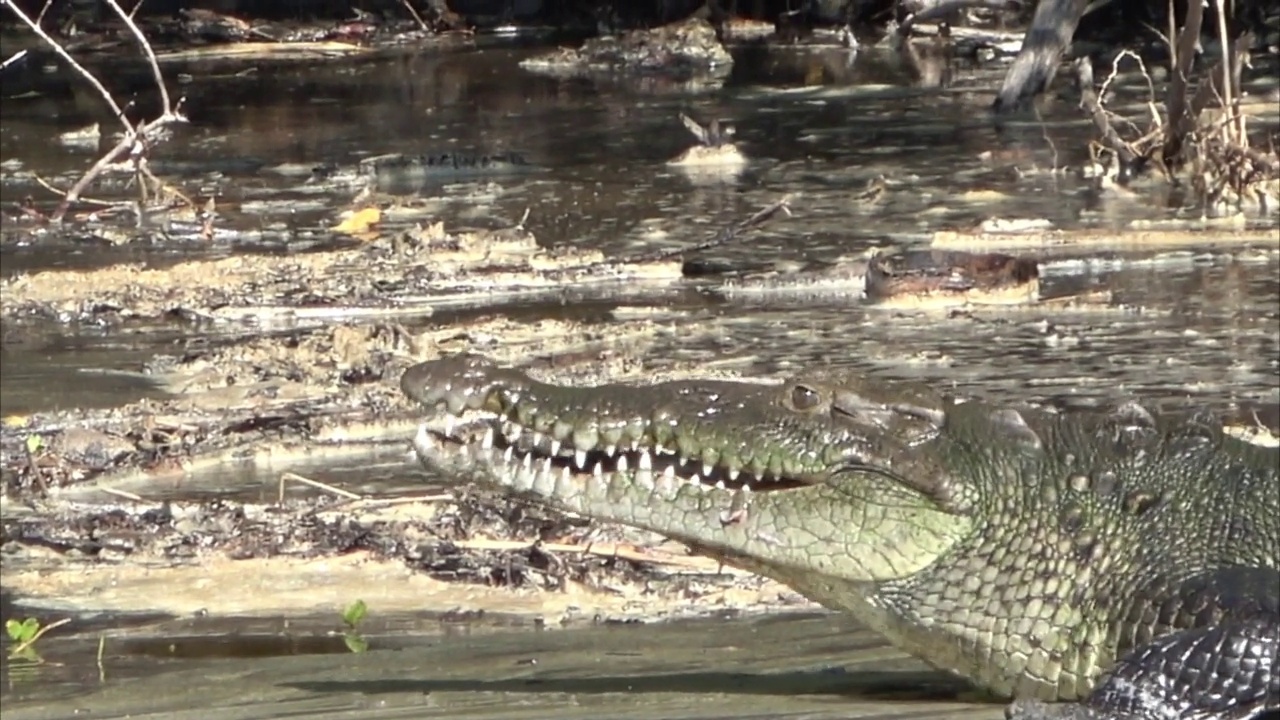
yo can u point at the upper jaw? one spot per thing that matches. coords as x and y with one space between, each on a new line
510 450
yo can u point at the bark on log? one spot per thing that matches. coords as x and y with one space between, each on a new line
1046 40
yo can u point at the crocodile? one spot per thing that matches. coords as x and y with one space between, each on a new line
1086 564
682 48
399 169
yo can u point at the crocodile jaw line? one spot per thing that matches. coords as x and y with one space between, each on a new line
775 529
526 462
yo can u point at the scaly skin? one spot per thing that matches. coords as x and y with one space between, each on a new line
1025 550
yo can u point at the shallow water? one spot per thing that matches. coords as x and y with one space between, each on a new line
1200 324
789 666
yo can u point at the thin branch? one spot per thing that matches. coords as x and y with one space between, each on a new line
724 237
1093 105
14 58
40 18
62 53
146 49
417 18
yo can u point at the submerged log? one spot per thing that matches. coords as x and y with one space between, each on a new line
1046 40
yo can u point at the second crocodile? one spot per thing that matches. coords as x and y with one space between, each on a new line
686 47
1127 561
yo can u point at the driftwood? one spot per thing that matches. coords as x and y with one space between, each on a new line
1042 48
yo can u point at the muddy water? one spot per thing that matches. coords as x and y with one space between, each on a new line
1188 324
790 666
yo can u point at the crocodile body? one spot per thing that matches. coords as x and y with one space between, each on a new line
1128 562
397 169
689 46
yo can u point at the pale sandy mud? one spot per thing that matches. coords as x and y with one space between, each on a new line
383 276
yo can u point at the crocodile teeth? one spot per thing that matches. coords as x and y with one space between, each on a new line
645 462
622 463
706 469
527 462
535 439
669 472
733 473
449 421
611 450
555 444
580 458
512 431
546 466
597 470
509 455
487 442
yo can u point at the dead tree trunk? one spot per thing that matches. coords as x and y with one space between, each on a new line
1046 40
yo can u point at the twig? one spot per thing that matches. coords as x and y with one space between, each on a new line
421 23
58 191
1044 132
62 53
609 550
14 58
724 237
135 136
1090 102
43 10
315 484
368 502
121 493
166 107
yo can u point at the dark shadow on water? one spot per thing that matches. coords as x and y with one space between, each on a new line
912 685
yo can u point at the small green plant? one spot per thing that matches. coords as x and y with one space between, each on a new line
23 635
22 631
351 618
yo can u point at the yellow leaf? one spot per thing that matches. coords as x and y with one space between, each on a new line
14 421
360 221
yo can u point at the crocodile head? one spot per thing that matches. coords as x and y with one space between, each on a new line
795 480
1018 547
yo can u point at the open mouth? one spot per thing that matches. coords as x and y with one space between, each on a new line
527 459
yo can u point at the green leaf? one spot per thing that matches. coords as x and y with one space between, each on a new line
34 443
355 643
22 631
354 613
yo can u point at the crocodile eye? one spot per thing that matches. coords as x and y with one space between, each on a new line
805 398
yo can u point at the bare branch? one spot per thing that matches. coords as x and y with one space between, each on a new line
1090 101
146 49
62 53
